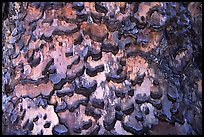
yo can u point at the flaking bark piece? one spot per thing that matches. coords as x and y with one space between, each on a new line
92 71
96 32
116 78
67 89
84 87
36 72
75 71
143 10
32 90
33 14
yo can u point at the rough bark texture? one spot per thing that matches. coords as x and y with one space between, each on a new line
102 68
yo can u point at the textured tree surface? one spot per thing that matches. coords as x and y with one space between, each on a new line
102 68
